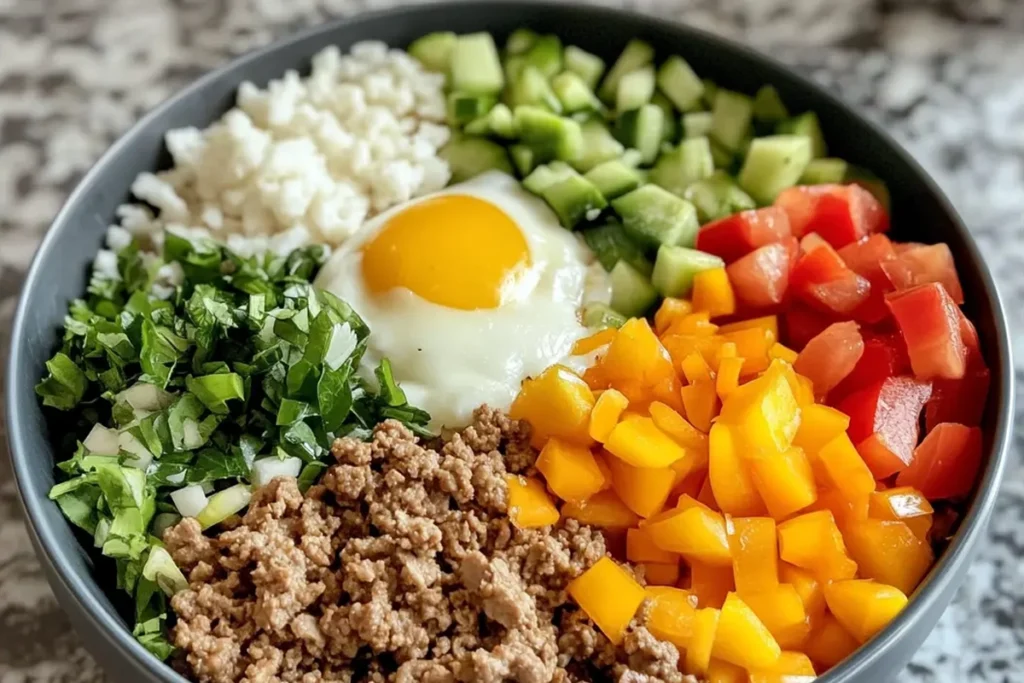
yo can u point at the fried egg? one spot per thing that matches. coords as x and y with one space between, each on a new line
467 291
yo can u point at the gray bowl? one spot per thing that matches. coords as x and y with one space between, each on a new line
58 274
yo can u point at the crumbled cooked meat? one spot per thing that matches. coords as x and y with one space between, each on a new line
400 566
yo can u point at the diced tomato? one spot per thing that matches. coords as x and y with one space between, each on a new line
760 278
737 235
930 323
811 240
884 422
839 213
801 324
866 258
900 247
830 356
822 280
885 356
946 463
958 400
921 265
972 345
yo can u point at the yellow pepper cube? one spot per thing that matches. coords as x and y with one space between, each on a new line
698 653
603 510
712 292
864 607
661 573
782 352
903 504
765 414
752 345
640 548
555 403
728 377
670 310
636 361
785 481
695 368
810 590
782 612
609 596
697 533
637 441
644 490
697 323
819 424
755 554
742 639
595 341
792 667
710 584
731 481
724 672
845 468
571 471
672 615
606 413
700 400
813 541
829 643
888 552
529 504
679 430
768 324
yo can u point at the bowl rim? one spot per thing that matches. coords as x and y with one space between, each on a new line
76 585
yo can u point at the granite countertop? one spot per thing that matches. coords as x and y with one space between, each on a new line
944 76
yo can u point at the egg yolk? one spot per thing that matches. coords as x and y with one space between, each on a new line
457 251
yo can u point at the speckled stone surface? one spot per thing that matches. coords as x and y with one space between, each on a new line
945 76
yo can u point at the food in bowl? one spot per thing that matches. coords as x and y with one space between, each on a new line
705 364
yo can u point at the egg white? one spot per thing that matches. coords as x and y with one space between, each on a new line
450 361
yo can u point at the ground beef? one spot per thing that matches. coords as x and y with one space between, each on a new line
400 565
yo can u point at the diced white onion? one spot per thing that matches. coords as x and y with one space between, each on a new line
190 500
176 478
191 438
146 397
223 504
102 441
343 343
141 457
266 469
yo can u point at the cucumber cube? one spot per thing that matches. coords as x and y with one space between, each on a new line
635 89
682 166
547 131
575 200
697 124
599 316
434 50
520 41
722 157
531 87
613 178
480 127
773 164
501 122
640 129
475 67
523 158
513 67
825 171
585 65
632 158
717 196
768 105
599 145
546 55
573 93
632 293
610 245
731 118
675 267
680 84
806 124
710 91
468 157
463 107
670 124
636 54
546 175
653 216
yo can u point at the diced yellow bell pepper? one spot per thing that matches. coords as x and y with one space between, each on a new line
700 400
728 377
782 612
781 352
555 403
724 672
805 393
903 504
819 424
710 584
603 510
696 533
712 292
681 431
672 614
606 472
752 344
802 389
726 350
864 607
637 441
606 413
811 591
765 414
755 554
813 541
695 368
698 653
571 472
529 504
640 548
766 323
785 481
670 311
742 639
661 573
707 496
644 490
829 643
696 323
731 481
609 595
846 470
595 341
792 667
888 552
639 366
843 509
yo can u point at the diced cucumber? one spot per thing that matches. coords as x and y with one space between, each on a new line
773 164
640 129
468 157
599 145
611 244
575 200
696 124
806 124
632 293
497 122
613 178
768 105
523 158
717 196
680 84
677 169
585 65
824 171
721 156
546 55
599 316
475 66
653 216
710 91
513 67
479 126
675 267
635 89
631 157
731 118
636 54
464 107
434 50
548 174
670 123
573 93
520 41
531 87
547 131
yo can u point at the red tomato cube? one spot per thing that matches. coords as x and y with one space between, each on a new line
839 213
930 323
760 278
958 400
800 324
822 280
832 355
735 236
884 422
946 463
921 265
885 356
972 345
866 258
